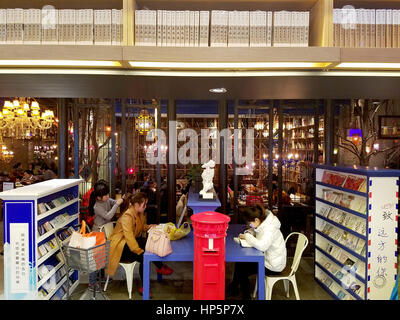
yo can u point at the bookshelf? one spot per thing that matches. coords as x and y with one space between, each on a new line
33 266
321 30
356 231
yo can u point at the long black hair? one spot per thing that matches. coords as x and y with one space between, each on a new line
100 189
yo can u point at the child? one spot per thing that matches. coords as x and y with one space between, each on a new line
264 236
101 206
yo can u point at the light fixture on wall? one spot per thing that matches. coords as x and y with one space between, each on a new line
144 122
5 154
21 118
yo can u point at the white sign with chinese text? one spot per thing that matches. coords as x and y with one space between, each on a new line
382 236
19 243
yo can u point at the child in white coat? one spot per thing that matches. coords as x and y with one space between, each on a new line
265 235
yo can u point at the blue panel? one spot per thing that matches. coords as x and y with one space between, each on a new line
369 278
370 206
369 230
19 212
370 182
395 253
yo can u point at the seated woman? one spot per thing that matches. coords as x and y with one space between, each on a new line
265 236
127 241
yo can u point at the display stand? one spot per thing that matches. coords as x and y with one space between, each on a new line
356 231
33 267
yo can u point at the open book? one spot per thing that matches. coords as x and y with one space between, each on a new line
242 242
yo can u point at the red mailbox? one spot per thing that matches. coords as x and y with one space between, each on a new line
209 255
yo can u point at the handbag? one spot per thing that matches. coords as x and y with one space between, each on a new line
158 242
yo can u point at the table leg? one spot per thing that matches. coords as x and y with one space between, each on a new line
146 278
261 280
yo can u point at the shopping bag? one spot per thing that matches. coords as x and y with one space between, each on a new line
178 233
158 242
82 239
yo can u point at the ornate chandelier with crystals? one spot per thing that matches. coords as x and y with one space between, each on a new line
22 118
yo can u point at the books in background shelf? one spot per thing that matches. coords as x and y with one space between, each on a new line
342 257
42 293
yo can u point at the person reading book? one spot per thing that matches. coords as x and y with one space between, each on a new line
127 241
264 235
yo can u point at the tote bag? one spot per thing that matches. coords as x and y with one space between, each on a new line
158 243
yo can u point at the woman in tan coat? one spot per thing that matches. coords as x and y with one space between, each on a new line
127 239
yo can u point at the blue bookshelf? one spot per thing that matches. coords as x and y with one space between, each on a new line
380 260
31 269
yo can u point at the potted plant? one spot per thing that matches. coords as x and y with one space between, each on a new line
194 177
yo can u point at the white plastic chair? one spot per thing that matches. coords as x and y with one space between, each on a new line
129 268
286 275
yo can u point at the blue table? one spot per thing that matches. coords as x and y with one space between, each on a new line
201 205
182 250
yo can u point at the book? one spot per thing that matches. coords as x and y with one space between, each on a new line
328 282
353 182
41 208
341 294
360 247
204 28
339 274
47 226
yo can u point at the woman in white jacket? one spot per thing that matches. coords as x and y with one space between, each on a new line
265 236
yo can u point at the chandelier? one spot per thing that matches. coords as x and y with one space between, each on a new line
5 154
144 122
21 120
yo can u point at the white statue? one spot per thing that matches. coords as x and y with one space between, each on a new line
208 175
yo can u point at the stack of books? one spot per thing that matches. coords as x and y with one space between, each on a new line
52 204
366 28
61 26
221 28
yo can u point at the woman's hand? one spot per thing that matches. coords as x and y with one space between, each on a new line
149 226
120 201
242 236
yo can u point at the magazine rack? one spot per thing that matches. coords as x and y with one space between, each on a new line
32 263
356 231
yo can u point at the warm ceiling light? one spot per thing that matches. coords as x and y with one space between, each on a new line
218 90
227 65
60 63
367 65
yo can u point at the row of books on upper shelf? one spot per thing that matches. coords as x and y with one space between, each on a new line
351 182
53 224
347 220
220 28
355 203
49 205
61 26
366 28
338 290
344 238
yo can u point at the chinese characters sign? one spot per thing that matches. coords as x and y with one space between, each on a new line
382 235
19 233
